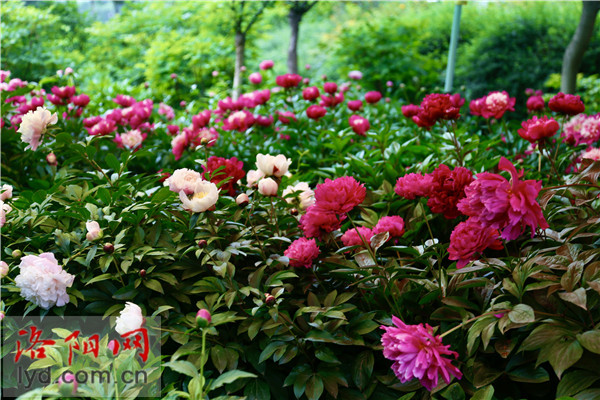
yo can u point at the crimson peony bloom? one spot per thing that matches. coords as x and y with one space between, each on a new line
538 128
355 105
231 169
285 117
264 120
568 104
310 93
64 92
315 112
124 100
535 103
173 129
448 189
360 125
410 110
506 206
81 101
417 353
288 80
394 225
373 97
317 222
201 119
414 185
266 64
330 87
302 252
351 237
469 238
340 195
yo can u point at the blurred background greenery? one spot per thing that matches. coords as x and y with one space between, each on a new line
126 46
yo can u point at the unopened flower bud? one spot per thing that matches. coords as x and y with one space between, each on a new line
294 211
203 318
67 384
202 243
109 248
17 253
269 299
3 269
268 187
242 200
113 347
204 141
142 273
51 159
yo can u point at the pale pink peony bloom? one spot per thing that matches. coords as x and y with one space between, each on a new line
204 196
242 199
306 195
130 319
302 252
3 269
592 154
273 165
268 187
590 129
4 209
132 139
166 110
93 231
183 179
34 125
7 192
417 353
43 282
253 176
356 75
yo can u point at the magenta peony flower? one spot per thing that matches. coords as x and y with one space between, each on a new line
64 92
340 195
231 169
355 105
310 93
124 100
302 252
166 110
239 120
536 129
288 80
203 318
201 119
332 101
285 117
359 125
535 103
506 206
410 110
315 112
266 64
351 237
448 189
173 130
263 120
255 78
568 104
417 353
317 222
414 185
496 104
373 97
469 238
330 87
394 225
81 101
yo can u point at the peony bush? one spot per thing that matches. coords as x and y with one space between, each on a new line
313 239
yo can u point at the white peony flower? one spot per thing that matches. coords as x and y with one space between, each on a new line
93 230
273 165
268 187
33 126
306 195
130 319
3 269
7 192
204 196
183 179
43 282
253 176
4 209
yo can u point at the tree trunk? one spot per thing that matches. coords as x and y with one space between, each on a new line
118 4
240 50
292 61
579 44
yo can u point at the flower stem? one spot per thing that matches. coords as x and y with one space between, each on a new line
202 363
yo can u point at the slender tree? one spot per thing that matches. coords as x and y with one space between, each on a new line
295 14
578 45
245 14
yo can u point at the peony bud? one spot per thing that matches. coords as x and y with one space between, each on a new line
269 299
203 318
268 187
215 73
255 78
202 243
109 248
68 71
67 384
93 231
173 76
294 211
51 159
307 66
17 253
113 346
3 269
204 141
2 315
142 273
242 200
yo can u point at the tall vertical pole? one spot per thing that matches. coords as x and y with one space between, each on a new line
452 48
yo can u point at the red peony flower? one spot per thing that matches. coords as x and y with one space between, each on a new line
538 128
302 252
535 103
340 195
219 169
317 222
285 117
373 97
470 238
355 105
410 110
332 101
315 112
417 353
414 185
394 225
566 104
266 64
330 87
310 93
264 120
288 80
448 189
351 237
506 206
201 119
360 125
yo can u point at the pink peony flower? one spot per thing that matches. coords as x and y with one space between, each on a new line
285 117
4 209
310 93
104 127
414 185
356 75
81 101
470 238
264 120
203 318
535 103
93 231
67 378
288 80
231 169
359 125
3 269
496 104
64 92
351 236
124 100
253 176
179 144
316 112
43 282
166 110
340 195
239 120
394 225
273 165
173 130
332 101
566 104
7 192
131 140
506 206
255 78
302 252
591 154
268 187
330 87
355 105
317 222
266 64
304 193
204 196
33 126
417 353
536 129
373 97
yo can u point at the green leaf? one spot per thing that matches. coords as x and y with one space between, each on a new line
529 374
578 297
563 354
575 381
327 355
229 377
590 340
314 388
522 314
486 393
454 392
484 374
112 162
363 368
99 278
154 285
183 367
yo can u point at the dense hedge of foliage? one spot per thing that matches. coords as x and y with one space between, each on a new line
298 317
